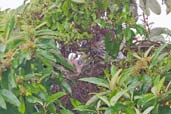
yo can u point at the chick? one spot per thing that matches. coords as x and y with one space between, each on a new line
76 61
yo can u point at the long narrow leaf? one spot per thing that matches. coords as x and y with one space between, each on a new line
114 79
148 110
10 97
54 97
97 81
2 102
115 98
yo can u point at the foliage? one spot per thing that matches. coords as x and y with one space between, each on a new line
142 87
31 62
26 68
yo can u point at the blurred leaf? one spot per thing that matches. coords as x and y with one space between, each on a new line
144 7
65 8
66 86
75 102
112 45
114 109
22 106
116 97
137 111
10 97
85 108
104 99
54 97
156 55
11 109
164 110
129 34
146 54
13 43
144 99
65 111
113 70
140 30
11 79
156 31
168 6
78 1
3 48
46 54
154 6
2 102
52 108
159 38
114 79
32 99
158 84
63 62
97 81
148 110
9 27
93 99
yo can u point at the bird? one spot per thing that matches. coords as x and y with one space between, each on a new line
76 60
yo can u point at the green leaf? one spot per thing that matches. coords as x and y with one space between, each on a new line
65 8
85 108
11 109
164 110
74 102
11 79
46 54
79 1
92 100
145 99
129 34
113 70
112 45
32 99
148 110
13 43
52 108
140 30
65 111
114 79
95 98
22 107
10 97
104 99
97 81
54 97
146 54
61 60
156 54
115 98
66 86
9 27
158 84
2 103
114 109
45 61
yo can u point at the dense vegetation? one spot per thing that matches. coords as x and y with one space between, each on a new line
83 57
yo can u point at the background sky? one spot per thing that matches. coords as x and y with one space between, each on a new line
10 4
161 20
